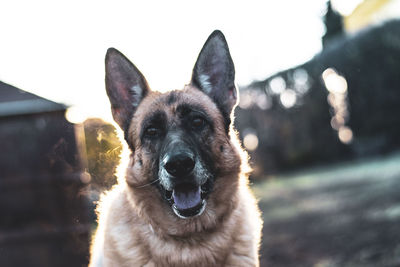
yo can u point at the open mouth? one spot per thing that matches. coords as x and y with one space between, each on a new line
188 200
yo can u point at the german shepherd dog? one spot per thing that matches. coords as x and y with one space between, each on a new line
186 200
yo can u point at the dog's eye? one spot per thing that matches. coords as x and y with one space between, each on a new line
152 132
198 123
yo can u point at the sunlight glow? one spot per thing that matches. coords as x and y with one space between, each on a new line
345 7
46 52
75 115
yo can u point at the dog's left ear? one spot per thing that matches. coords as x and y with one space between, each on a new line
214 73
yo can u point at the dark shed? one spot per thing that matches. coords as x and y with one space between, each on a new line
43 215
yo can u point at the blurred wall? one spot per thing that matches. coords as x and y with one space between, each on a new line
44 218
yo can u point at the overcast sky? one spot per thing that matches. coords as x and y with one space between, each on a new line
56 49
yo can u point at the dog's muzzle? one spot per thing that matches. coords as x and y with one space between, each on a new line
179 176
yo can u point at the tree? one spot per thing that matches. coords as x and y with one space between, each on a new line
333 24
103 149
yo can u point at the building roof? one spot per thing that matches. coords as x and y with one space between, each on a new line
14 101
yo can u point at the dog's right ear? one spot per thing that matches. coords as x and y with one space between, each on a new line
125 85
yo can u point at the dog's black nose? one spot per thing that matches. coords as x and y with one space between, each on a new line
179 165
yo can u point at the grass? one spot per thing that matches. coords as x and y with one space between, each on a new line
340 215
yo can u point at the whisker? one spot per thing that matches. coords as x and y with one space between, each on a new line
155 181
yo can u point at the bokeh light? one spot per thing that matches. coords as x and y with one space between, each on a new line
288 98
301 81
337 99
335 83
277 85
345 134
250 141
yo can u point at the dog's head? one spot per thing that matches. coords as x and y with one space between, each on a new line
180 139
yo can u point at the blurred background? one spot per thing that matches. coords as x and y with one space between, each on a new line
319 113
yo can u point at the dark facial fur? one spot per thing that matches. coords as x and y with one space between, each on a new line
176 138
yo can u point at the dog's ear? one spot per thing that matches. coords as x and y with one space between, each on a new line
125 86
214 73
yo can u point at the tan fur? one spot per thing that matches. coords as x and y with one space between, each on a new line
137 228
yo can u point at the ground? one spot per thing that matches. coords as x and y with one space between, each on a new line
341 215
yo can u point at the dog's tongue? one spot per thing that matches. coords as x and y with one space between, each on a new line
186 198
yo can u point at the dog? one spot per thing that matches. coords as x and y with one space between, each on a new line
186 199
